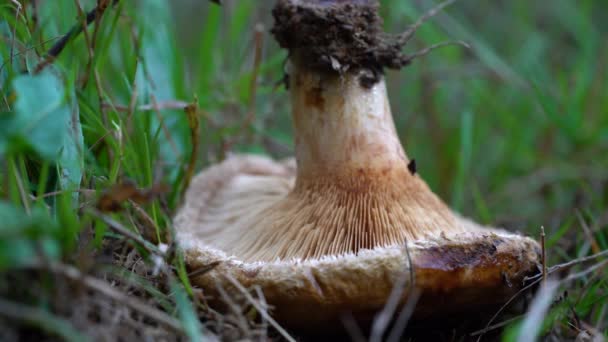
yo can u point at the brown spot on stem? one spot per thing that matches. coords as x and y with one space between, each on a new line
314 97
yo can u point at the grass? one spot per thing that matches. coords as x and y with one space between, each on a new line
513 132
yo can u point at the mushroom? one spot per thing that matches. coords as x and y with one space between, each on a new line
334 233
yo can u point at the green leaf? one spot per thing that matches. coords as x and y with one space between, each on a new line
41 114
45 120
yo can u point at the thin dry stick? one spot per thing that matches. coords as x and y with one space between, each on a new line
107 290
260 309
409 33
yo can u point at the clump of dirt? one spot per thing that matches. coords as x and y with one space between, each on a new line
337 35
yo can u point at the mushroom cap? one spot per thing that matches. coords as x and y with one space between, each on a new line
459 267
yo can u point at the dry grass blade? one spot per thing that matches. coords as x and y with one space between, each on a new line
260 309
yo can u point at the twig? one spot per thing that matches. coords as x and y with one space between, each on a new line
260 309
58 47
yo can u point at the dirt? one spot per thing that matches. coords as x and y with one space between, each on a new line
338 36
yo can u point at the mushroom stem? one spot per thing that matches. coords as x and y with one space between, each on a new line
343 129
